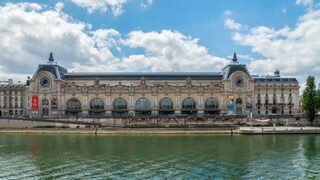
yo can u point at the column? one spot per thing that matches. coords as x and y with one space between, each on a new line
178 105
108 105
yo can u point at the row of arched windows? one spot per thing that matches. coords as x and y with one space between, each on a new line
143 106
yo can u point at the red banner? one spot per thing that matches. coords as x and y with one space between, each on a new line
34 102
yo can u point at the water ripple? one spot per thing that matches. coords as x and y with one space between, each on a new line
160 157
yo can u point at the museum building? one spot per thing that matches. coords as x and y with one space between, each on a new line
53 91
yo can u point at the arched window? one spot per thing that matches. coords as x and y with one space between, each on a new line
166 106
45 109
239 106
96 107
188 104
120 104
239 101
73 106
96 104
120 107
54 104
143 106
45 102
211 106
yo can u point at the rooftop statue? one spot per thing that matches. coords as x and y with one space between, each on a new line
51 58
234 59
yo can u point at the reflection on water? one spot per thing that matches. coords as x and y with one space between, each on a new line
141 157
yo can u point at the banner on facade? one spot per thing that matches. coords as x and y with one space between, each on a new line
54 102
34 102
230 102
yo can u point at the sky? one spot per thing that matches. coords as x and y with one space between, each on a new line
160 35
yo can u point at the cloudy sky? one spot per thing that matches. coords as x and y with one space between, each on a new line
160 35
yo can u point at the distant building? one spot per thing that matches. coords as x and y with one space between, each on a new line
53 91
12 98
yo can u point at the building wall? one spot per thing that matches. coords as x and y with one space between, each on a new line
245 97
12 99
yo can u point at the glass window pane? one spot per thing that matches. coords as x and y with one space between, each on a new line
143 104
165 104
73 104
96 103
211 103
189 103
119 104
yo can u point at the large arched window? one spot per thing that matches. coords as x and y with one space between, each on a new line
143 106
166 106
96 107
120 104
96 104
73 106
45 102
211 106
45 107
189 106
120 107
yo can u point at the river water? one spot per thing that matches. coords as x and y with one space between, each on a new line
159 157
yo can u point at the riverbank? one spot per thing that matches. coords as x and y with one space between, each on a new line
239 130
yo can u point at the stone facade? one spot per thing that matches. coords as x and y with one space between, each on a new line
12 98
231 91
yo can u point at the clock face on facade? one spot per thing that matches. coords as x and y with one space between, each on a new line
239 82
44 82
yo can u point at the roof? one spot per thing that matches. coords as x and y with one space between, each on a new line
273 79
55 69
145 75
231 68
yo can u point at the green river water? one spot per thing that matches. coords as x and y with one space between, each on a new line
159 157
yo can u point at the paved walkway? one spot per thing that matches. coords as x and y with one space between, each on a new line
240 130
279 130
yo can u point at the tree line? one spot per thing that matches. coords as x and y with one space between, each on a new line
311 98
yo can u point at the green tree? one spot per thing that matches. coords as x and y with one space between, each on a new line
309 98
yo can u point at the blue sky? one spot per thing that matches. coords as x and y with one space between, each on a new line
202 19
161 35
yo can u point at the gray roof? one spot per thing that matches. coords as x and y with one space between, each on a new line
272 79
145 75
231 68
56 70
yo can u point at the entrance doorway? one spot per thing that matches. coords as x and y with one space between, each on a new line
239 106
238 111
45 111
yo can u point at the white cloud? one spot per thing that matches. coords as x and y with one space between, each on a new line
163 51
304 2
172 51
294 51
231 24
59 6
29 31
115 6
146 3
